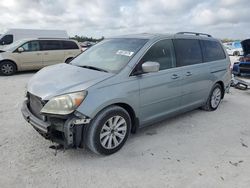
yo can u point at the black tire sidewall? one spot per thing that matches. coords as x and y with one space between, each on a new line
69 60
10 63
93 132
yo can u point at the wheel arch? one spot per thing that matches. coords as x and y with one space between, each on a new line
134 119
17 68
125 106
222 86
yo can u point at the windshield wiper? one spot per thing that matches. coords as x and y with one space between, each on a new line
93 68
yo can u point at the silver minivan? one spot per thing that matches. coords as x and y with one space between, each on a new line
125 83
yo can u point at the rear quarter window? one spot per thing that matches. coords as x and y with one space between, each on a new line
212 50
69 45
188 52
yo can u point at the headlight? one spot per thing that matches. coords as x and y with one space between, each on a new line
64 104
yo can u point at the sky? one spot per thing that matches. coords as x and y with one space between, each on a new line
96 18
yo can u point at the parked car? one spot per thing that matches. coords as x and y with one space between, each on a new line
234 44
13 35
33 54
234 51
85 45
243 66
125 83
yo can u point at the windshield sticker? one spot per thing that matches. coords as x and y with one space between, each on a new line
123 52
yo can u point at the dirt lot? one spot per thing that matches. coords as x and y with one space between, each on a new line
196 149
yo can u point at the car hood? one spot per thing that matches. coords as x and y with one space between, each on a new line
246 46
63 78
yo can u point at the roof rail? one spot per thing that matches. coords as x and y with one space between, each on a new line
194 33
52 38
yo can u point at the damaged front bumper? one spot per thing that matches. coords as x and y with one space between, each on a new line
65 130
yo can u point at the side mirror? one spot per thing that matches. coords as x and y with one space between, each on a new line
150 66
20 49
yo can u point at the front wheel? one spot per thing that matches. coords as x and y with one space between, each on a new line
7 68
214 98
108 131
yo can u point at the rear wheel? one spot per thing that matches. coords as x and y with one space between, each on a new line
214 98
7 68
68 60
108 131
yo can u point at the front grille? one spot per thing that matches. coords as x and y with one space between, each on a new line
35 105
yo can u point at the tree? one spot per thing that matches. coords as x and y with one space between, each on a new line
83 39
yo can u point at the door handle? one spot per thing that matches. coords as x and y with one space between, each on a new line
38 53
188 74
175 76
46 53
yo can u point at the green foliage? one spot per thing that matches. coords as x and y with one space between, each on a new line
229 40
83 39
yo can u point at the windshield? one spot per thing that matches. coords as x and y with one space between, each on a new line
110 55
14 45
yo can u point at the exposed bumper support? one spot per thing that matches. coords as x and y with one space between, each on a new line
34 121
70 133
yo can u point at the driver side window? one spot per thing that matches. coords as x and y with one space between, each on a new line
161 52
31 46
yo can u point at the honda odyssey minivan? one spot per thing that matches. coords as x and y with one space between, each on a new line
34 54
125 83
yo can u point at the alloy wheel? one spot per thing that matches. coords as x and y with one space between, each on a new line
216 97
7 69
113 132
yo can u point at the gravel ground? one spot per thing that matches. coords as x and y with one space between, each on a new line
196 149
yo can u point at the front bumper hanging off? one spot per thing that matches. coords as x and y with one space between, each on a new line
67 131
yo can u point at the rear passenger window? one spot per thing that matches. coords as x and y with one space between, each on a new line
188 52
69 45
212 50
51 45
163 53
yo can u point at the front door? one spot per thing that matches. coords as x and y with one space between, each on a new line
31 57
160 92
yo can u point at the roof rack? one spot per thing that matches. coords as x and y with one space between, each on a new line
193 33
51 38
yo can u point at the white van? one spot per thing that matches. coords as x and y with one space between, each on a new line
13 35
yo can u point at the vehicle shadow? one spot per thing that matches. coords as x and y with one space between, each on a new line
22 73
26 72
159 130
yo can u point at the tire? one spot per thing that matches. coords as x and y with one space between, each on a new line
7 68
214 98
236 53
102 137
69 60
